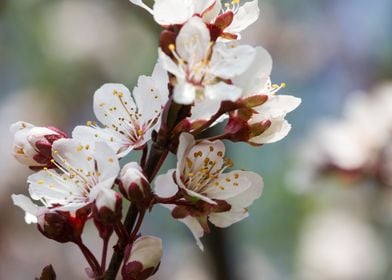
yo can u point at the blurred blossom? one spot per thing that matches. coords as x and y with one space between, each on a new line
358 144
255 265
339 246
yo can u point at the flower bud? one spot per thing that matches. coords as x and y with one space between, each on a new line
144 258
135 186
108 206
239 130
33 145
61 226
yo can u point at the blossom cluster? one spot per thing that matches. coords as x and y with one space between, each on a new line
203 76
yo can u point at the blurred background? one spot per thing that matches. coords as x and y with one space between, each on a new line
326 212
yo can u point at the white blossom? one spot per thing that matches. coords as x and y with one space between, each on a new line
256 81
202 68
82 173
128 120
171 12
223 197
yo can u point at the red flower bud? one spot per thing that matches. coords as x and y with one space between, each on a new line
107 208
144 258
33 145
62 226
135 186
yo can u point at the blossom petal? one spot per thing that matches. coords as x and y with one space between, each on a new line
210 14
246 15
277 131
52 188
196 229
118 142
222 91
228 185
205 152
278 106
20 125
113 106
169 12
151 94
240 202
193 41
226 219
253 80
229 60
205 109
169 65
246 198
107 163
71 153
184 93
165 185
28 206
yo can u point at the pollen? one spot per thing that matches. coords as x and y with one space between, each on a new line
110 160
40 182
198 154
89 158
79 148
89 123
87 147
172 47
219 154
211 148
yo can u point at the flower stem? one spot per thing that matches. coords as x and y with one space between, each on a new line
104 253
92 261
155 159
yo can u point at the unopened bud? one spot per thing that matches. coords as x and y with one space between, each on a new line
144 258
134 185
238 130
61 226
108 206
33 145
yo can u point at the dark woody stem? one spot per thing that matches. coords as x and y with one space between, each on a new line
137 226
154 161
